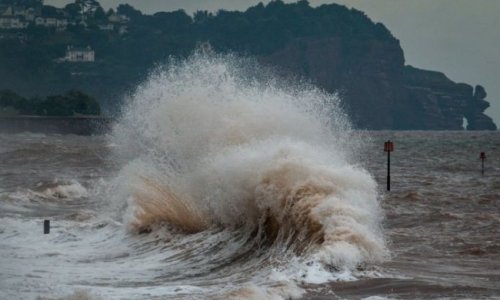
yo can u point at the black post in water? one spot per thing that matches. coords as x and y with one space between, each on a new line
388 147
46 226
482 156
388 170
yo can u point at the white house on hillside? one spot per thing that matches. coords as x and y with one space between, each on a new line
51 22
117 18
106 27
12 23
27 14
75 54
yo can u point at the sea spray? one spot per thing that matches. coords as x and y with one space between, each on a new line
212 143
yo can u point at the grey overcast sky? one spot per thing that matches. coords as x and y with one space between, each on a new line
458 37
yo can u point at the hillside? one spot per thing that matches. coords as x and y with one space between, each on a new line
46 50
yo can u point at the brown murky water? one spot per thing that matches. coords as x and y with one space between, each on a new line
442 225
442 217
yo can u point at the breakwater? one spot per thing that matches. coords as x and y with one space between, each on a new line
87 125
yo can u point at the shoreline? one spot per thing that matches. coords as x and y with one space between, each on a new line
79 125
97 125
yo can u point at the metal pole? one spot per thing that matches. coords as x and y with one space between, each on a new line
482 156
388 170
46 226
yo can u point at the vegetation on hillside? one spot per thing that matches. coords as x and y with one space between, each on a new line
124 55
73 103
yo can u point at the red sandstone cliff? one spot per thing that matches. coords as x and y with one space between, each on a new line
378 90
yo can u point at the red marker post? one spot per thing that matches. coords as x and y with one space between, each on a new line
388 147
482 157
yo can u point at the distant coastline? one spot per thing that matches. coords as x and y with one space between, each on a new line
45 50
78 125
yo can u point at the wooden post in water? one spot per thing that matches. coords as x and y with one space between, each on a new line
388 147
482 156
46 226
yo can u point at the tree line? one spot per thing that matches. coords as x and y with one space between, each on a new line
124 58
72 103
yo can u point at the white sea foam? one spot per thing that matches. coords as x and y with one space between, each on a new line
53 191
65 190
211 143
235 185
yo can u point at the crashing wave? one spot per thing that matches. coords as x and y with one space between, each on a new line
212 143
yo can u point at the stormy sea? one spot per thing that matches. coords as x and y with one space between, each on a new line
220 180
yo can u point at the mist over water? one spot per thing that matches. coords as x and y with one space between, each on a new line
213 145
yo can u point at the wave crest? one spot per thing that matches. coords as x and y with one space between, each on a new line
212 143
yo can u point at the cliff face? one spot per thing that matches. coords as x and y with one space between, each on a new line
366 74
435 102
378 90
475 111
339 49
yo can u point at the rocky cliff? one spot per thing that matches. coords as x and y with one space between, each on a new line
379 91
436 102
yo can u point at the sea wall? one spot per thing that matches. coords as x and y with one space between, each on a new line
57 125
